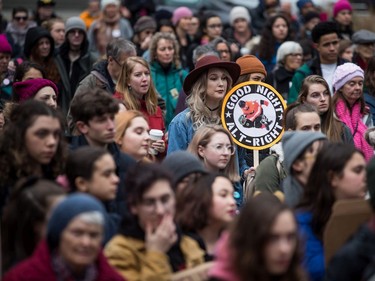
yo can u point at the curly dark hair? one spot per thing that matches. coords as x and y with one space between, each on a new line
15 161
26 208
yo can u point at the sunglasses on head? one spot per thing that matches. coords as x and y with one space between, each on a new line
20 18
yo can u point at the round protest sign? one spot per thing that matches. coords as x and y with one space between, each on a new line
252 112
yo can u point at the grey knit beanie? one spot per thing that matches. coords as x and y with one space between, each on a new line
181 164
239 12
75 23
295 143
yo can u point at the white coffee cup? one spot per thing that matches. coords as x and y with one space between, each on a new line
154 136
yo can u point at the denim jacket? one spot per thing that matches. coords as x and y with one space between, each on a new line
181 132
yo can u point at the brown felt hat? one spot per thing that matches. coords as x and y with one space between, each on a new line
206 63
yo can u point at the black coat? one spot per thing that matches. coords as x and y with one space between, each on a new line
281 80
123 163
71 73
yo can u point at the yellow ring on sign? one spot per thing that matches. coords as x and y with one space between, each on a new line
225 101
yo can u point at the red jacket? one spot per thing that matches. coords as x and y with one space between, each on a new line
38 268
155 121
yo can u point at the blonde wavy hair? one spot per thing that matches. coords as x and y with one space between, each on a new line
131 100
169 37
199 113
203 136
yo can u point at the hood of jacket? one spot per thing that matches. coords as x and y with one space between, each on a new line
64 48
32 37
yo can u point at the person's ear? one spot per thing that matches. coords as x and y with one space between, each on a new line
333 178
200 151
81 184
82 127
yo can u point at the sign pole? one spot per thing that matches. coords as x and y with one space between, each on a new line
256 158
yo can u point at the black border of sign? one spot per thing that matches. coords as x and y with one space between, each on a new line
229 94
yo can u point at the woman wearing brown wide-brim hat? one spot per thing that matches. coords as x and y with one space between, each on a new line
206 86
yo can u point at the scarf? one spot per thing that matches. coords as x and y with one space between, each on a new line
357 128
19 35
64 273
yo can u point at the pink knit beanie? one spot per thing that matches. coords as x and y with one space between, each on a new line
27 89
341 5
344 73
180 13
5 47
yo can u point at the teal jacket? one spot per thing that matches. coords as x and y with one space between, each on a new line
309 68
168 83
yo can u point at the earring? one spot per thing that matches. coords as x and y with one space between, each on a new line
129 87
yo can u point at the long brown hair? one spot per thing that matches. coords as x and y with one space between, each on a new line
250 234
331 160
130 100
194 203
370 77
48 63
331 126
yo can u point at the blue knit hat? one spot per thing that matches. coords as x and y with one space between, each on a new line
302 3
72 206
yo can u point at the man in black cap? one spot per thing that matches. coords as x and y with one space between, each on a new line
365 47
44 11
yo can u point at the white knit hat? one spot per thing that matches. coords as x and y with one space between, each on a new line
104 3
287 48
239 12
344 73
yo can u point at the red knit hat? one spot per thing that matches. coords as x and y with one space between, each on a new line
5 47
340 6
27 89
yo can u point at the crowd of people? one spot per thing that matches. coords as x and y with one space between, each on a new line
115 164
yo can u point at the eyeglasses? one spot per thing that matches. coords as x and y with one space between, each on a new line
76 31
20 18
213 26
219 148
